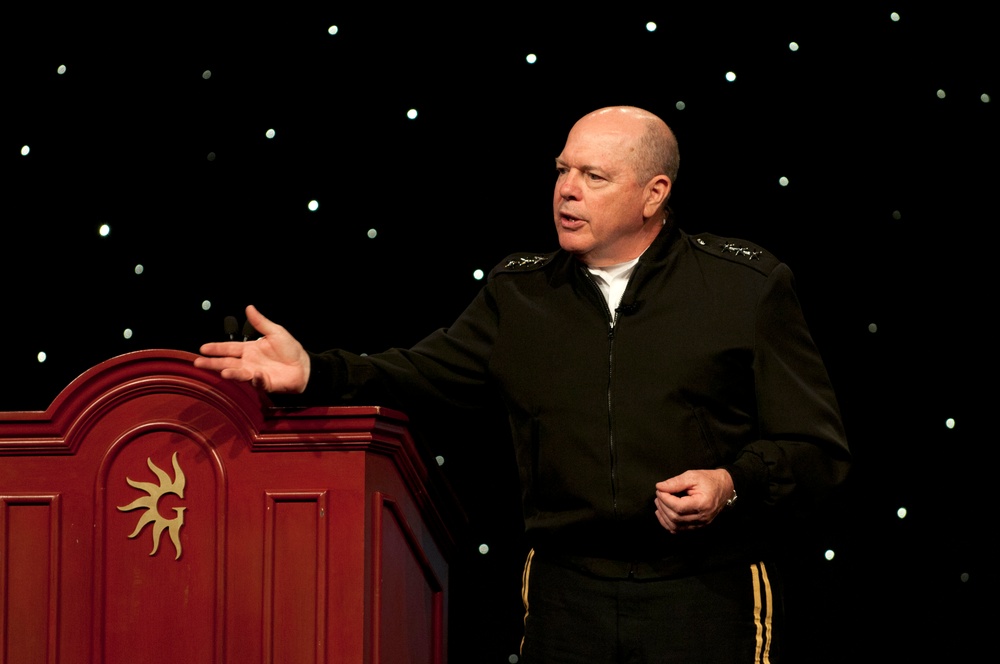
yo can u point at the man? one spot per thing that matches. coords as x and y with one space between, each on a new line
665 399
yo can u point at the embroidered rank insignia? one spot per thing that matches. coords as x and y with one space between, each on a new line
525 261
746 252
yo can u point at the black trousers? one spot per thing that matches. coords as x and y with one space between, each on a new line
719 617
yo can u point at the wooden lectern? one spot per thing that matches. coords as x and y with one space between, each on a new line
156 513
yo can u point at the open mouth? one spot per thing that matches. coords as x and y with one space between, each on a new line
570 222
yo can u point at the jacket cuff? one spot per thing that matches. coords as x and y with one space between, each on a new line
750 477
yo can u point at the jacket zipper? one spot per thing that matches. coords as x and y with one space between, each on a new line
611 428
612 320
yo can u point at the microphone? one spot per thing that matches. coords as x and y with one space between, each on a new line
248 331
627 308
231 326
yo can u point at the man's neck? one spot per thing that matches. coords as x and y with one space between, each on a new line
651 230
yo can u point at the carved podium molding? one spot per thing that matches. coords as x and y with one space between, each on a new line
156 513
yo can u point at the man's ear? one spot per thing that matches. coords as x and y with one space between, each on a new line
657 192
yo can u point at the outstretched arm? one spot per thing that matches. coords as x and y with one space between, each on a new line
276 362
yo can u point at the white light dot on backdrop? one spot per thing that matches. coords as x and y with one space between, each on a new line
61 69
206 305
127 333
207 74
783 181
531 58
873 328
104 230
950 422
651 26
829 554
985 98
412 114
372 233
513 659
313 205
894 16
478 275
332 30
897 215
964 577
730 76
793 46
42 356
211 156
484 549
25 150
940 94
269 133
680 106
440 460
901 513
139 269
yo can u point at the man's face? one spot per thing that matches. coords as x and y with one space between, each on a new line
597 202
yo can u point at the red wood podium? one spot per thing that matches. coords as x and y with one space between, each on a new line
156 513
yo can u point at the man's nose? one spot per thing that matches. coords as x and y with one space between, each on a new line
569 186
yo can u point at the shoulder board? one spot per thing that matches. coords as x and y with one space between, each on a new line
736 251
522 262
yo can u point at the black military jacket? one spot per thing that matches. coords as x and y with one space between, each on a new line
709 363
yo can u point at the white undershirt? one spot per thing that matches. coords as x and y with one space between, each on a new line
612 281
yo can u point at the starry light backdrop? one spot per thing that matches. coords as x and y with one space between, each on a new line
350 169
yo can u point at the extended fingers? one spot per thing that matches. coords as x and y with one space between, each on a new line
222 349
236 373
217 363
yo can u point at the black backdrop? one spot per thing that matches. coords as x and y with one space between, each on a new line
884 129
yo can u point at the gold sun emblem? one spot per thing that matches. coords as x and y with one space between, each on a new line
152 514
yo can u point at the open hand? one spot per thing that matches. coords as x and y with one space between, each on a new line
276 362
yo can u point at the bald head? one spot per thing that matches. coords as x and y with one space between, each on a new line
651 145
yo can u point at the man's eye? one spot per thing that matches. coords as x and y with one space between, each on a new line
561 170
594 177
